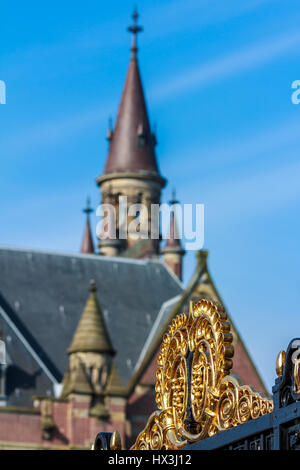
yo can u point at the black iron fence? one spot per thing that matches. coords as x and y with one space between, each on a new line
279 430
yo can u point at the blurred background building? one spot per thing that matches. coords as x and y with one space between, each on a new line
83 330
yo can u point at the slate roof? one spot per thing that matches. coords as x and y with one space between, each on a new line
159 326
44 295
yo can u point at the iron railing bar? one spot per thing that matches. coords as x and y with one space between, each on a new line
236 434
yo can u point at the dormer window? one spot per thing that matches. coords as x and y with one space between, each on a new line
141 134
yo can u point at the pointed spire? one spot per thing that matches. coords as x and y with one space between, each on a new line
87 245
173 251
91 334
132 146
173 241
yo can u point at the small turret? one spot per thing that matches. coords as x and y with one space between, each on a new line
87 245
173 252
90 358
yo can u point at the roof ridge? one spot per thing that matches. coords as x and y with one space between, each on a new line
116 259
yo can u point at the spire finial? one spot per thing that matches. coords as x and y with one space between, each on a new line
134 29
173 200
93 285
88 208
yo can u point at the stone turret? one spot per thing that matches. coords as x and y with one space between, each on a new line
173 251
131 168
87 245
90 358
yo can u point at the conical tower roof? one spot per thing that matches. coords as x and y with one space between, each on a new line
131 142
173 242
91 334
87 245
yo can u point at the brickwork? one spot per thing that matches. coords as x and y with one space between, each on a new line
73 427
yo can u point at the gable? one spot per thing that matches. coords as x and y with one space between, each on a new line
46 294
200 286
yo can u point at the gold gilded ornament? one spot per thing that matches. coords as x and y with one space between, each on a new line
116 441
195 393
280 363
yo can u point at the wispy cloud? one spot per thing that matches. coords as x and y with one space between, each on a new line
183 15
47 132
250 147
258 194
231 64
59 128
247 195
105 36
270 183
52 131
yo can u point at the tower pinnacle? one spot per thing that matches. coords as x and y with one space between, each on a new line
173 251
87 245
131 168
91 334
132 148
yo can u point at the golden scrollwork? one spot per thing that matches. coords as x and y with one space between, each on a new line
195 393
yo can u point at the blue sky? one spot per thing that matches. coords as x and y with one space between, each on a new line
218 77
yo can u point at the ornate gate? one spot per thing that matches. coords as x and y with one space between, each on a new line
201 405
